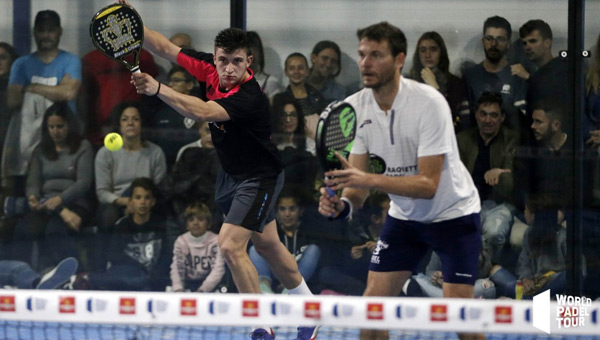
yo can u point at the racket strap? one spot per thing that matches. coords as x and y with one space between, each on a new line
348 209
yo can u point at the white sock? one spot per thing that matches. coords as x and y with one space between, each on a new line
302 289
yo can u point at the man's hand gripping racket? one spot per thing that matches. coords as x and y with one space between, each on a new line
334 139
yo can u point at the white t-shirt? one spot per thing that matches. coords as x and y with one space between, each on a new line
418 125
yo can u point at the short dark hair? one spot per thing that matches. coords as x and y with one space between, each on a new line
324 44
232 39
490 98
554 108
385 31
117 111
146 184
188 77
498 22
533 25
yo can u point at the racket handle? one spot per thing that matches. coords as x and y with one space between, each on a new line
330 191
136 70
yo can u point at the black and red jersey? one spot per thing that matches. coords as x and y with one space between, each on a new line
243 142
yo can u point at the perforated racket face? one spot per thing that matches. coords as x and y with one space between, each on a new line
335 132
118 32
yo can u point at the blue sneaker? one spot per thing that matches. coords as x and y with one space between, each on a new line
60 275
307 333
262 334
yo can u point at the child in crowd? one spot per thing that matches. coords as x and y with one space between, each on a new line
138 251
197 262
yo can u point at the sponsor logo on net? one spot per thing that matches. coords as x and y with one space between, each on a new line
188 307
127 306
571 311
312 310
66 304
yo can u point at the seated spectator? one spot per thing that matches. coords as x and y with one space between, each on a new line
270 85
310 99
197 262
326 65
17 274
432 67
346 263
166 127
542 260
115 170
139 254
431 281
297 151
106 84
59 190
8 55
194 175
487 152
37 80
290 227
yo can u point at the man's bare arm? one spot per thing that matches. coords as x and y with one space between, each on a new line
422 185
14 96
65 91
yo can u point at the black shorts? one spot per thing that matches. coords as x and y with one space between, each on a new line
402 245
249 203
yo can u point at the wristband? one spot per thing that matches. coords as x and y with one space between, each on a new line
157 91
348 209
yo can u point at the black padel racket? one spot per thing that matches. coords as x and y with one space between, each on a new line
335 132
118 32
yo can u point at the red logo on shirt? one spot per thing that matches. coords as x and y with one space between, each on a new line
250 308
66 304
188 307
375 311
7 303
127 306
503 314
312 310
439 313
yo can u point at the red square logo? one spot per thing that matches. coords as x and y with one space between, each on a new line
7 303
250 308
439 313
375 311
503 314
127 306
188 307
312 310
66 304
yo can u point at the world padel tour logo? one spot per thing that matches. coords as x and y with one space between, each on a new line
7 303
127 306
571 311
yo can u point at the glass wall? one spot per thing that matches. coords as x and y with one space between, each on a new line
537 152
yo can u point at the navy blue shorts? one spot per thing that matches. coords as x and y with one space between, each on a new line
403 244
249 203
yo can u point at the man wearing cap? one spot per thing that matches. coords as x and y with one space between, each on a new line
36 81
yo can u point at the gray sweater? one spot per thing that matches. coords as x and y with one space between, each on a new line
115 170
552 259
70 176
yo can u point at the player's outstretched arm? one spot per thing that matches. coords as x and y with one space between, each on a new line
156 42
188 106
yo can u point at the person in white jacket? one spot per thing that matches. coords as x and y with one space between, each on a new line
197 262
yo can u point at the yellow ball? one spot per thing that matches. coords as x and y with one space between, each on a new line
113 141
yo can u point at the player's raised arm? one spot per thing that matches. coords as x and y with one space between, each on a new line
156 42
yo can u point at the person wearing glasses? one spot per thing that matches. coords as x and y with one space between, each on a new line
494 74
487 152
